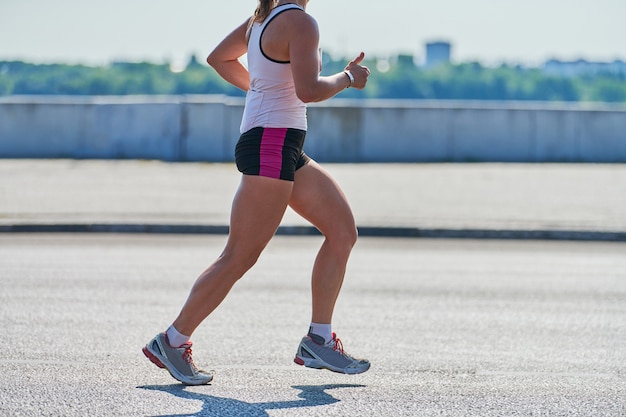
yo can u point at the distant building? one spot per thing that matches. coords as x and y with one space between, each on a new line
437 53
583 67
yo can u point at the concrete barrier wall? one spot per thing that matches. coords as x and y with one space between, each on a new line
206 128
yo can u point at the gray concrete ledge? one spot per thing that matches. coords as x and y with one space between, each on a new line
478 201
368 231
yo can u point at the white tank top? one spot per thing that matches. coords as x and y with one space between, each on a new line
271 100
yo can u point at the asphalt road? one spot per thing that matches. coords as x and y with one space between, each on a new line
452 327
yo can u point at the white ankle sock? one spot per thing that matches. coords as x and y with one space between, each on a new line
324 330
175 338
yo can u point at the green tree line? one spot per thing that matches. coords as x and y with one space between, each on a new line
397 78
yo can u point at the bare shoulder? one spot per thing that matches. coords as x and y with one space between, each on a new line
299 21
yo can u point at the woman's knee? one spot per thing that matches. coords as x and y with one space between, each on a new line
343 238
239 261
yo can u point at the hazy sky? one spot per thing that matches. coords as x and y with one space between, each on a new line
492 31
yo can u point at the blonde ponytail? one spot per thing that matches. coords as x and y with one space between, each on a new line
263 10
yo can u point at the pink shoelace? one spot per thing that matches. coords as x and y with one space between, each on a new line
187 355
338 345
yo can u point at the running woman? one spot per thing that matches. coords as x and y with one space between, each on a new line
282 44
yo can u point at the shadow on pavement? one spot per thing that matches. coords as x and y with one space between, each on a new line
311 396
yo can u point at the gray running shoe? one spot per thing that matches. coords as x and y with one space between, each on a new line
177 361
313 353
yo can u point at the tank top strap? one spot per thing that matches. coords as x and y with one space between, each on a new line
278 10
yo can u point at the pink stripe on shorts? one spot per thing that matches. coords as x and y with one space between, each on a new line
271 152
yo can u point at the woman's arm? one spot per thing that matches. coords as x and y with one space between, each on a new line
225 58
303 36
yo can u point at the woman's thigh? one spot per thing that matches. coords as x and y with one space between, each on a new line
317 197
258 208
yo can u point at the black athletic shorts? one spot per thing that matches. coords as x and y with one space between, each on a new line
271 152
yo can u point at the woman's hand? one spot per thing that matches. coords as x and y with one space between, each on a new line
359 72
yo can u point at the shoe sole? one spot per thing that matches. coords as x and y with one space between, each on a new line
152 358
315 364
155 360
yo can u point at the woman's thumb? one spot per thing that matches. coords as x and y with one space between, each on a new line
358 59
